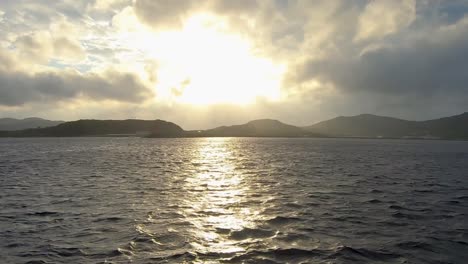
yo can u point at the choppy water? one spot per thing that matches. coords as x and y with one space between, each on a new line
122 200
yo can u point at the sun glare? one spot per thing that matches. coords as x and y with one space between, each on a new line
202 63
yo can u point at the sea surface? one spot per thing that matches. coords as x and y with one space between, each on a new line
233 200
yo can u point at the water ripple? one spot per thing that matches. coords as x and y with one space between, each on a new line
230 200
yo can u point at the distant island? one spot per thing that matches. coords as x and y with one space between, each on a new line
11 124
360 126
89 128
256 128
372 126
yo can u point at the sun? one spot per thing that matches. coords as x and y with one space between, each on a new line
204 63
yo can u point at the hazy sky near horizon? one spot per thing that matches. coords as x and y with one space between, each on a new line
204 63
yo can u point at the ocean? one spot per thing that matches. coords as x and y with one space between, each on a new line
233 200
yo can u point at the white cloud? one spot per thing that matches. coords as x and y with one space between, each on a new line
384 17
106 5
42 46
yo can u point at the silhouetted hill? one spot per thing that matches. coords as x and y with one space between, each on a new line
453 127
155 128
366 125
257 128
10 124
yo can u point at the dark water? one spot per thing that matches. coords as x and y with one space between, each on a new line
122 200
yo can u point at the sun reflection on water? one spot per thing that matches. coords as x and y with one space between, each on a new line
217 194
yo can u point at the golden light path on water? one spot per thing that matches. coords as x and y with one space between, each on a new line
218 205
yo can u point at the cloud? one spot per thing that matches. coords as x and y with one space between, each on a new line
239 6
163 13
403 58
57 40
6 61
384 17
68 49
105 5
423 65
42 46
19 88
33 48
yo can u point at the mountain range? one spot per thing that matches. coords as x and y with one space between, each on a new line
362 126
257 128
372 126
10 124
87 128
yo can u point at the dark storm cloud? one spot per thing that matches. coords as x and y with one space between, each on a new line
21 88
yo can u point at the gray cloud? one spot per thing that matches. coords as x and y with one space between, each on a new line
18 88
421 66
171 13
237 7
163 13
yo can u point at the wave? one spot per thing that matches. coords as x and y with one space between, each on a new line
281 255
44 213
283 220
276 255
109 219
250 233
374 201
180 257
363 253
412 245
407 216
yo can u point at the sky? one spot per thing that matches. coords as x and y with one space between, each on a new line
206 63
